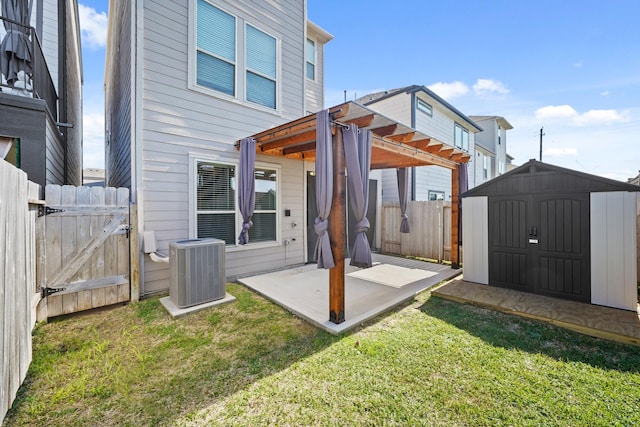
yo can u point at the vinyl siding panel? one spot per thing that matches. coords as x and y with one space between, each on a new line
73 96
50 38
396 107
475 239
177 122
118 92
613 249
54 158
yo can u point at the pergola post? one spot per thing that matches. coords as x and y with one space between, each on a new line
337 232
455 197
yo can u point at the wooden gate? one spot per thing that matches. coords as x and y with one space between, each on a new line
86 248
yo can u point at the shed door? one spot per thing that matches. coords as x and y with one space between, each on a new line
541 244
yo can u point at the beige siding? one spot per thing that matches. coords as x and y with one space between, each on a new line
475 239
177 122
613 250
397 107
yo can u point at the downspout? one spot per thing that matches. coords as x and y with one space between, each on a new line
62 84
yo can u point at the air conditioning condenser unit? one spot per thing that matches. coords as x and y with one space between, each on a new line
197 269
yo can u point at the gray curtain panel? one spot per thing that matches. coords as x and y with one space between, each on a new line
357 153
15 55
403 194
324 189
247 186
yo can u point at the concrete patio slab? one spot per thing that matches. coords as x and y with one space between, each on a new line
305 290
176 311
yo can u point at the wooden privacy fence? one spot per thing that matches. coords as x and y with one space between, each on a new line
430 224
18 290
87 248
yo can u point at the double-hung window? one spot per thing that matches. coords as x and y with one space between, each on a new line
461 137
310 55
485 166
424 107
241 65
261 67
216 49
217 213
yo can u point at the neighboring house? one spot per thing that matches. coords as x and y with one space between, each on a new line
93 177
635 180
491 148
420 108
184 80
510 164
41 91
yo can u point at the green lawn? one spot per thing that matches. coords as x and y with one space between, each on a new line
431 362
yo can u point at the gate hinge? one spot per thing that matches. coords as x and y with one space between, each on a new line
46 210
46 291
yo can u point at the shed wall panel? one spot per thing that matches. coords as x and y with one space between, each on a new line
613 249
475 239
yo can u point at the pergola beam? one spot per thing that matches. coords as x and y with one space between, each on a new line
403 137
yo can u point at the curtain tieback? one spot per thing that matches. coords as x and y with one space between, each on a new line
320 225
363 225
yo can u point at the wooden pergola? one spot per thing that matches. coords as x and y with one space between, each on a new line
394 145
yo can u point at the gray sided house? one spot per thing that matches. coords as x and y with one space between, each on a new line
184 81
491 156
41 90
420 108
553 231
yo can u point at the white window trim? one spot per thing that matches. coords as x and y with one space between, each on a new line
428 110
194 158
464 129
240 86
315 59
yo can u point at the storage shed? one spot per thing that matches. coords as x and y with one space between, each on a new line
553 231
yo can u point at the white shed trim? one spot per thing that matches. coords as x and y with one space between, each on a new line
613 249
475 239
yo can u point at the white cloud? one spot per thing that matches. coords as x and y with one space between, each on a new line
578 64
93 25
93 140
605 93
600 117
556 112
489 87
572 117
449 90
560 152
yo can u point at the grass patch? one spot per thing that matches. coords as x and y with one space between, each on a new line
431 362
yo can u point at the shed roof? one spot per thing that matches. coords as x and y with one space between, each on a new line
535 177
394 144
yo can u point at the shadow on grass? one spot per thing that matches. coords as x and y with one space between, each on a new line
513 332
135 365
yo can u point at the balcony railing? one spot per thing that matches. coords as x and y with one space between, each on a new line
28 76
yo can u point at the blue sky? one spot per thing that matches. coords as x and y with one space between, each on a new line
570 66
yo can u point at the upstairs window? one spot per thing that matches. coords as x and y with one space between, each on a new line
216 49
485 166
232 57
499 135
261 67
461 137
310 55
424 107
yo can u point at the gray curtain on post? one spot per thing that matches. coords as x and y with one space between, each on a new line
15 49
247 186
403 195
324 189
357 153
463 186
